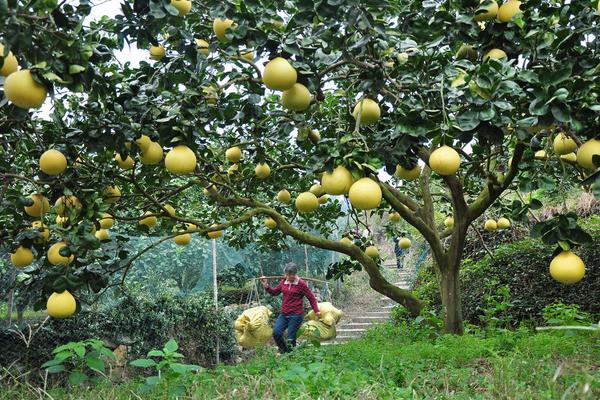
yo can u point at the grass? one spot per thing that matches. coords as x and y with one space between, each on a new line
392 363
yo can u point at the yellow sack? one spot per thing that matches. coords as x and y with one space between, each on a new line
329 314
325 332
252 327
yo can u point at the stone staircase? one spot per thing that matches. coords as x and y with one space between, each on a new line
354 324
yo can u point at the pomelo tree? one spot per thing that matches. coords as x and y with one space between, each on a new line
264 118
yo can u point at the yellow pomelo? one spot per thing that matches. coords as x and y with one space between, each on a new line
405 243
346 240
279 74
152 155
508 10
148 221
54 256
503 223
183 239
337 182
65 203
307 202
40 205
23 91
42 229
395 217
567 268
232 169
180 160
107 221
189 227
262 170
112 194
408 174
540 154
370 112
563 144
570 158
495 54
202 46
53 162
157 52
143 142
586 153
247 54
61 305
183 6
102 234
10 64
444 160
365 194
233 154
210 94
296 98
316 189
372 252
487 10
21 257
220 26
61 220
170 210
490 225
214 234
284 196
323 199
449 222
124 164
270 223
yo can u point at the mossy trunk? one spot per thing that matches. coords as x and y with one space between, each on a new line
451 301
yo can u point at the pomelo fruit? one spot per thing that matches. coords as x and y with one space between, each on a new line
408 174
220 26
365 194
21 257
148 221
395 217
503 223
490 225
370 112
279 74
112 194
53 162
42 230
306 202
157 52
180 160
449 222
65 203
296 98
183 6
124 164
270 223
567 268
183 239
563 144
61 305
405 243
337 182
39 207
10 63
372 252
284 196
488 10
495 54
23 91
214 234
444 160
107 221
233 154
152 155
262 170
102 234
508 10
54 256
586 153
202 46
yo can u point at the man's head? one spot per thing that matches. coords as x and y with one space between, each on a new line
290 270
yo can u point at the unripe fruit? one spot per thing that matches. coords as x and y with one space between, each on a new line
23 91
61 305
405 243
490 225
284 196
563 144
395 217
53 162
220 26
262 170
21 257
444 160
370 112
307 202
40 205
567 268
180 160
233 154
408 174
296 98
337 182
586 153
372 252
365 194
279 74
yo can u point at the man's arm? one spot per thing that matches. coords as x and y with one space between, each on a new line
272 291
311 298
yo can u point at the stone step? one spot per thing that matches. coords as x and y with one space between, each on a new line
351 330
371 314
355 325
371 319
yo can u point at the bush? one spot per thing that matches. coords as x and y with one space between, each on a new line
522 267
139 321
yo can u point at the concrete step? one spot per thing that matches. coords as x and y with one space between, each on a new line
355 325
385 313
371 319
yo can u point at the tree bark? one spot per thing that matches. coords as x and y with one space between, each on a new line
451 301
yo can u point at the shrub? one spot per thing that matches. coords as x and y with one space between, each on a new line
139 321
522 267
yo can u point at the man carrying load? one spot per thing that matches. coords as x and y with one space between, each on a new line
294 290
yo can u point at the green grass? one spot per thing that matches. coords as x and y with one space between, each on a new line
393 363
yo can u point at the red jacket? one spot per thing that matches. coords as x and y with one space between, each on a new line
293 296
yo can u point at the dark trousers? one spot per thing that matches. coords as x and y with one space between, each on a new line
292 322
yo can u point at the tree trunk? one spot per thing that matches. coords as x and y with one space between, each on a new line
451 300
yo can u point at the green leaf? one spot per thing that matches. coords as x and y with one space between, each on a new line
75 69
143 363
95 363
51 76
171 346
55 369
155 353
76 378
